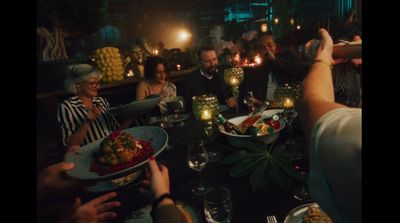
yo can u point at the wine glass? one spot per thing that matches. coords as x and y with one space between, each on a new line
166 124
177 107
249 101
197 159
301 164
233 77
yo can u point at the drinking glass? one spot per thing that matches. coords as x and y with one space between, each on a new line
218 205
197 159
301 164
176 107
249 101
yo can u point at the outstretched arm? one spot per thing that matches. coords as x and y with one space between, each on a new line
318 93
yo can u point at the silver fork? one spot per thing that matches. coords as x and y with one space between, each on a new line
271 219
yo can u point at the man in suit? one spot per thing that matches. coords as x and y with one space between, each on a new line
208 79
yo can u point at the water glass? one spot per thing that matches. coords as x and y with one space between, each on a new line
197 159
218 205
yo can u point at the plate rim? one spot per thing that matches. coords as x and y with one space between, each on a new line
113 187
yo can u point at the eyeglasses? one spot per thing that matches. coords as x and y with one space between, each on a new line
92 83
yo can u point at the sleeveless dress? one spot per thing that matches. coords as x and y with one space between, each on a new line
169 90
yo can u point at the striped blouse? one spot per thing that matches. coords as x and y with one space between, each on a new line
72 113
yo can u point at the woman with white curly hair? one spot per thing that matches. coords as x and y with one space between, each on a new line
84 117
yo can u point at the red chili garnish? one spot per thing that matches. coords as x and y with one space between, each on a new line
102 169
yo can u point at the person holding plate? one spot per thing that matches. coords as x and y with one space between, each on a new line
84 117
58 200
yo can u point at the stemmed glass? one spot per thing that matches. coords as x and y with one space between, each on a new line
177 107
166 124
249 101
205 107
234 77
289 113
197 159
301 164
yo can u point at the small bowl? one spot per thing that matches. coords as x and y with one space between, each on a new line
266 138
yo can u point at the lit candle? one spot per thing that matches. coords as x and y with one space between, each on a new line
288 103
234 81
130 73
206 115
156 52
178 67
257 59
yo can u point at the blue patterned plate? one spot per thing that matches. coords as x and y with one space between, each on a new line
83 158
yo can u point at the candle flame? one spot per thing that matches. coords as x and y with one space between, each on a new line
288 103
206 115
234 81
257 59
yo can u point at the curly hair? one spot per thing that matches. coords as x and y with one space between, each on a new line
150 66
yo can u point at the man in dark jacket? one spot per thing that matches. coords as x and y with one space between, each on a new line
207 79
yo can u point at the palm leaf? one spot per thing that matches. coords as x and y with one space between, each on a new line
259 177
244 167
247 144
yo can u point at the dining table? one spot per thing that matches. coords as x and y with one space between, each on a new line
248 205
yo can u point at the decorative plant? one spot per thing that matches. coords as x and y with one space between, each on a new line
264 163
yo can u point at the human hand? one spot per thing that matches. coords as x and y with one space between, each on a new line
325 49
51 176
96 210
158 180
357 61
231 102
93 113
73 148
268 53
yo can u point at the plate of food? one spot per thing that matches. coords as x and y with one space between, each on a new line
143 215
117 155
136 107
307 213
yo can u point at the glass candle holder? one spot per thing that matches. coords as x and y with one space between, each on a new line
233 77
205 107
